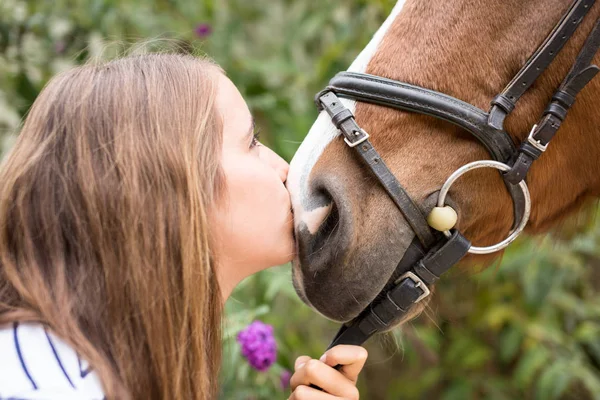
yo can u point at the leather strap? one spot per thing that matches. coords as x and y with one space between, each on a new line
441 260
504 103
356 138
579 76
407 291
403 96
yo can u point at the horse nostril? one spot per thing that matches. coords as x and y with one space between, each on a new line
327 229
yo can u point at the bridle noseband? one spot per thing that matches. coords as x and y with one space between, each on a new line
431 253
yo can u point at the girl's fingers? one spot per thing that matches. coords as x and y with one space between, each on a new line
352 359
307 393
322 375
300 361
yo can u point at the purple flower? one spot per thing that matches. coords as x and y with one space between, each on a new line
285 379
258 345
203 30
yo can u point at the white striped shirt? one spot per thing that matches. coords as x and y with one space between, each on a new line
36 365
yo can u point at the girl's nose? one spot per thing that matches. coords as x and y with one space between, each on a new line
276 162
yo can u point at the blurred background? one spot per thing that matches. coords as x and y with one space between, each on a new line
526 328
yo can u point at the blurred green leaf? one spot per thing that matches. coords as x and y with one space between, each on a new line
529 364
510 343
553 381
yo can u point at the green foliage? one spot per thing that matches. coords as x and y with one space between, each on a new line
526 329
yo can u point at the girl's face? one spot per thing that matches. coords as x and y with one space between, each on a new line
254 224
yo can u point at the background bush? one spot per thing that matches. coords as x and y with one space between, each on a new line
528 328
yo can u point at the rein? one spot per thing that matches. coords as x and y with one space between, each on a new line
435 251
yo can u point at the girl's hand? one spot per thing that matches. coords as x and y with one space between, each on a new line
335 384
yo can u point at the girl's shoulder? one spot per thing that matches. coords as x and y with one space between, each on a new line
35 364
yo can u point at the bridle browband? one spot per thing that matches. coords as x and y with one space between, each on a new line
431 253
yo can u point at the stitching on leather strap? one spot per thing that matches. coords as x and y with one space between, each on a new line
494 150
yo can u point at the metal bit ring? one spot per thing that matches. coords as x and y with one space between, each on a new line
522 185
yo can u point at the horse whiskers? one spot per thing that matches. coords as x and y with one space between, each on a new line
325 241
430 316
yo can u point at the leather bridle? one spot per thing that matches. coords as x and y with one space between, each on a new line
431 253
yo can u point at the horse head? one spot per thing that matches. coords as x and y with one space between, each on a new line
350 234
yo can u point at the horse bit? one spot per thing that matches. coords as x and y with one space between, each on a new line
432 253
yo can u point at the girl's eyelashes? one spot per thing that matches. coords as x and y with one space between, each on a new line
255 138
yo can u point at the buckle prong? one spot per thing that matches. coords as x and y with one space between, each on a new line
418 283
535 143
357 133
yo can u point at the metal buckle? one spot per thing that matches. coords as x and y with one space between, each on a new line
418 283
357 133
535 143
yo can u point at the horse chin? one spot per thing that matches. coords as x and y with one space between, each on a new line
333 299
343 307
328 298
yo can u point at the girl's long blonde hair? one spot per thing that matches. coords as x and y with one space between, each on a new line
104 222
